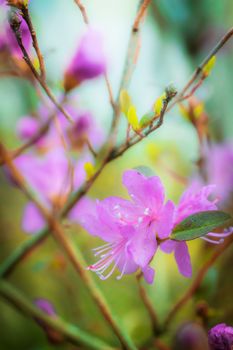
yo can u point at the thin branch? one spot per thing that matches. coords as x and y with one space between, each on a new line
106 78
74 257
27 18
141 14
43 84
199 69
196 282
83 11
70 332
131 58
149 307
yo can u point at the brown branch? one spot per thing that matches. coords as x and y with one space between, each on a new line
130 60
149 307
83 11
199 69
74 257
27 18
15 27
106 78
141 14
196 282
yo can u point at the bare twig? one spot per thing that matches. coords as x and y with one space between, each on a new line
199 69
196 282
83 11
26 16
141 14
149 307
74 257
27 59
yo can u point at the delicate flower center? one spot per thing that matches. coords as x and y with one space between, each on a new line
110 254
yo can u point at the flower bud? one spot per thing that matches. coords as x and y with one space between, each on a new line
89 61
53 336
191 336
221 337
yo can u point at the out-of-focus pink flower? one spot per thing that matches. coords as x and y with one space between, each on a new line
76 135
221 337
50 176
130 227
219 169
133 229
88 62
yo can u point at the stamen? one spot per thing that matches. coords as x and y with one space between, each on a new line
220 235
102 246
211 240
122 272
111 271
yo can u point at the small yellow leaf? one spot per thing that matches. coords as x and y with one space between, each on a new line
209 66
125 102
198 110
158 106
89 169
133 118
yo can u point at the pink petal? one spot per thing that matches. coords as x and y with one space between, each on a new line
183 259
145 191
166 221
148 274
33 221
143 246
168 246
194 200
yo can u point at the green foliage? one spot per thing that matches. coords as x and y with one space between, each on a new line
199 224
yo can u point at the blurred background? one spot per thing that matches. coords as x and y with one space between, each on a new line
176 36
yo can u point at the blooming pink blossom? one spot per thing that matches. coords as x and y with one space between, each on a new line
88 62
134 228
130 227
75 135
51 178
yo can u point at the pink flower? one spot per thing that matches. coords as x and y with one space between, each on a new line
50 178
83 128
88 62
192 201
134 228
130 227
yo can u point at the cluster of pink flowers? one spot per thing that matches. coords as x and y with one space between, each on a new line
134 229
49 168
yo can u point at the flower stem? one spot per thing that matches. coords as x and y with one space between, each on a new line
196 282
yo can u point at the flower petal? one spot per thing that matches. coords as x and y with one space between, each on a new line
168 246
148 274
143 246
183 259
145 191
165 223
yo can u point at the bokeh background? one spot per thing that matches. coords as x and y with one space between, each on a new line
176 36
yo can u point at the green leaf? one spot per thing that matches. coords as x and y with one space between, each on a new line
146 119
199 224
145 170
